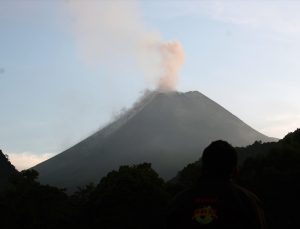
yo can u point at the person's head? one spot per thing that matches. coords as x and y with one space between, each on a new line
219 160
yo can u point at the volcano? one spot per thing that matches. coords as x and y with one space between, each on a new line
168 130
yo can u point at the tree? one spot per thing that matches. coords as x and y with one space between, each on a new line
25 203
132 197
274 177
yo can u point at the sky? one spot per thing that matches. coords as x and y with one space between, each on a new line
68 68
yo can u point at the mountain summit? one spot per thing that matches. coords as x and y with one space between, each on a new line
168 130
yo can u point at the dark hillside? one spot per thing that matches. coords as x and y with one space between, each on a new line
6 170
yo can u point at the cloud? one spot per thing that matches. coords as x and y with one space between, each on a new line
27 160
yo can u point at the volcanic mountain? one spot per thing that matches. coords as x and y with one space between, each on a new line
168 130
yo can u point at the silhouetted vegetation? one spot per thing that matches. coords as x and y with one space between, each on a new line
6 170
136 197
275 176
27 204
132 197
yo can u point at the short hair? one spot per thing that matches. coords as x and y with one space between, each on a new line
219 159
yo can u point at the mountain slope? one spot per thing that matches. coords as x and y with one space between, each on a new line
168 130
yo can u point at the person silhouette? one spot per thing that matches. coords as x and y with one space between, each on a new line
215 201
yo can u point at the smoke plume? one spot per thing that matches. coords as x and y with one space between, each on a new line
172 59
113 31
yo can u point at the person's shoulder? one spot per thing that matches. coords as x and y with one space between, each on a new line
183 198
256 205
178 204
183 195
245 193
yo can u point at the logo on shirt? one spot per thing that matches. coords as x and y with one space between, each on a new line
205 214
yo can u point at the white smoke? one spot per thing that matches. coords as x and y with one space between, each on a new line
114 31
172 59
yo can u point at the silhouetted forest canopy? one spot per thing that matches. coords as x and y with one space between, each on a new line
136 197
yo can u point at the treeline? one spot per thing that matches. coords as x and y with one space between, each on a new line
132 197
136 197
6 169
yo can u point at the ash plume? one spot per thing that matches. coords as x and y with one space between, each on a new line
172 59
113 31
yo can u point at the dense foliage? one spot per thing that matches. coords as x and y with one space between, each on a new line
6 170
136 197
132 197
275 178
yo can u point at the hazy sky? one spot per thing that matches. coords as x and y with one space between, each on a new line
66 71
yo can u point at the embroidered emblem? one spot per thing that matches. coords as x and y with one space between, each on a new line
205 214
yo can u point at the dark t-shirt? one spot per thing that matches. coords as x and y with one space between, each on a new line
216 204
